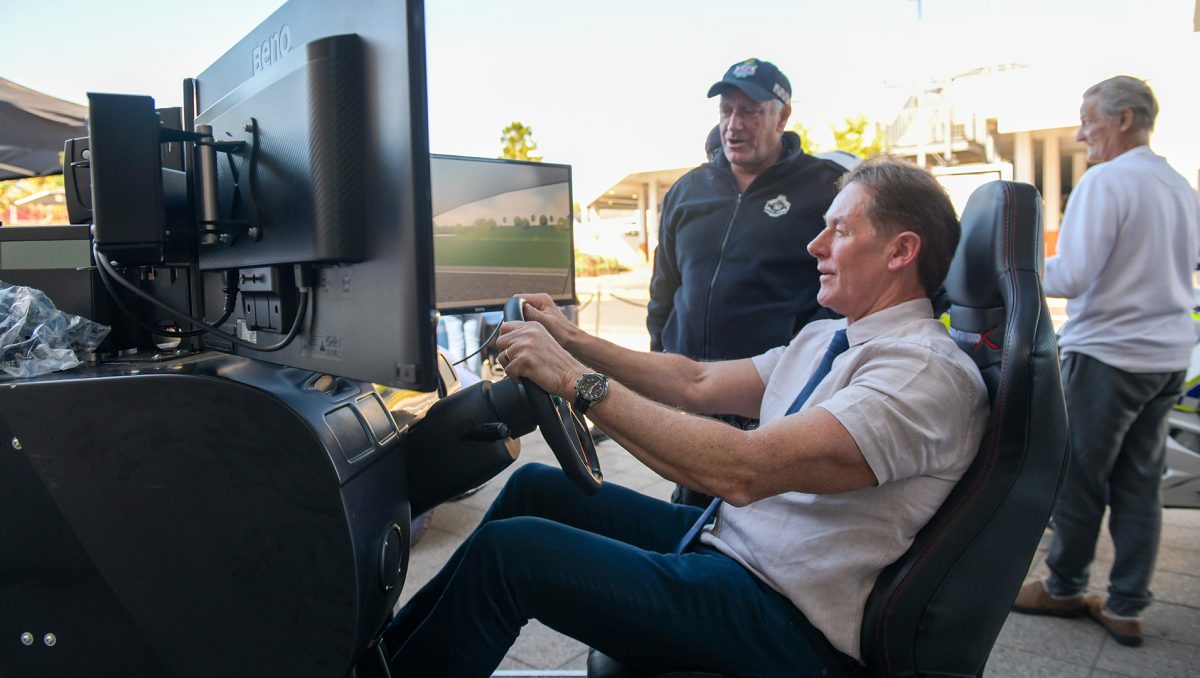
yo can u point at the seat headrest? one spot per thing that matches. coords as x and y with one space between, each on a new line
1001 234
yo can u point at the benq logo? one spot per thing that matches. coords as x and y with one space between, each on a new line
274 48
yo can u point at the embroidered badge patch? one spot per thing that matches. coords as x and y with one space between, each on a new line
777 206
745 69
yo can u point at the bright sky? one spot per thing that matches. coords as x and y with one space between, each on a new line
608 87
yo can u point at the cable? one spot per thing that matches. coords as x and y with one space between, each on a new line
112 292
585 304
482 346
230 290
105 268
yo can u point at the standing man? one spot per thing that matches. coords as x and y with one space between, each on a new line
732 277
1126 253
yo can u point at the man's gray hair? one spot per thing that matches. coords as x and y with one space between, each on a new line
1121 92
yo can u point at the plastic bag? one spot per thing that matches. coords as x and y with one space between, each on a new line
36 338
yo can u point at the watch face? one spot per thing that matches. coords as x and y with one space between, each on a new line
592 387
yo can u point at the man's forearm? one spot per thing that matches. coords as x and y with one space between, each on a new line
678 446
809 451
664 377
732 387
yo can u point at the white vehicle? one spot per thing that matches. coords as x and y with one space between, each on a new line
1181 477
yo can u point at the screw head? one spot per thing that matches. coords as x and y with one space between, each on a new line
16 443
27 638
50 639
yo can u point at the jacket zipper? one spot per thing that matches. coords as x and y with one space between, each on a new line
716 271
721 253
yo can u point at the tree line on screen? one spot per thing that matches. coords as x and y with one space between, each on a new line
534 221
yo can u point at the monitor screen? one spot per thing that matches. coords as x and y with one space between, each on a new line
328 100
500 227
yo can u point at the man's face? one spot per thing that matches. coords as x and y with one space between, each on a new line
852 257
1101 133
751 131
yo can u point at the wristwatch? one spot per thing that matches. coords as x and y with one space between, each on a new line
589 390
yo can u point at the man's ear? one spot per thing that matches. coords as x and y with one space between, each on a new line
1125 120
906 247
784 114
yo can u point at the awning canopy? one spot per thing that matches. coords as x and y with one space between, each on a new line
33 129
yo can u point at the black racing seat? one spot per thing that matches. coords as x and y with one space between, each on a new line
938 609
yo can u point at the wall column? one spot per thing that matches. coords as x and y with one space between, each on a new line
1051 182
1023 158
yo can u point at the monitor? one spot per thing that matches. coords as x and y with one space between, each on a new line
309 191
500 227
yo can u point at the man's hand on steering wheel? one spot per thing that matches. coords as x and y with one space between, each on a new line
528 351
548 374
541 308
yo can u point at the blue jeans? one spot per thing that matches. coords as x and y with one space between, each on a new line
1118 428
600 569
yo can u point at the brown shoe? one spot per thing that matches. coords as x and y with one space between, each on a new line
1125 630
1035 599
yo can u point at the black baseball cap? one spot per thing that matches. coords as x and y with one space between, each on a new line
759 80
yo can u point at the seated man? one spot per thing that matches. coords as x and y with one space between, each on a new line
855 453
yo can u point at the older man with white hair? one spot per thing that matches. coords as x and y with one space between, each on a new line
1126 253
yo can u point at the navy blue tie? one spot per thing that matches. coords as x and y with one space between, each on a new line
697 526
837 346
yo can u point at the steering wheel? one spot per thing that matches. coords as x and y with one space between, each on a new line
563 429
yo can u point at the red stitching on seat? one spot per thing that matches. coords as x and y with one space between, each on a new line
983 339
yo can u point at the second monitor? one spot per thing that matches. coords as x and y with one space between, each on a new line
501 227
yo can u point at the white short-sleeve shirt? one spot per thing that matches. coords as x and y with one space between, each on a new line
916 406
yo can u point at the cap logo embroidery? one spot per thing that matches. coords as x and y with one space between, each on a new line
777 207
781 92
745 69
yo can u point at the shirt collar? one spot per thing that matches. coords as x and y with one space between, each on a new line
1135 151
880 322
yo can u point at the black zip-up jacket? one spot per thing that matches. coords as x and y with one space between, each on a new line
732 273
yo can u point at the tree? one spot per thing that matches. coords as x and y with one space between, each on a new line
852 137
806 142
518 143
14 189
